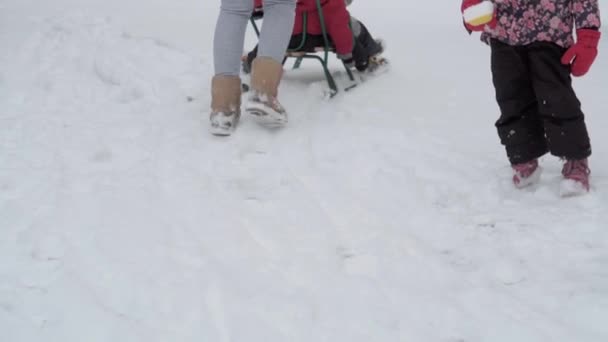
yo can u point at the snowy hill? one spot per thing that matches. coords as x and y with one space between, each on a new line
385 214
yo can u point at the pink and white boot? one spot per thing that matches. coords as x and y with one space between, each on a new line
526 174
576 178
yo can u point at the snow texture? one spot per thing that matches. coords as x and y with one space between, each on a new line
384 214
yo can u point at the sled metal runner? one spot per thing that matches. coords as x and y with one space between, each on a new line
300 53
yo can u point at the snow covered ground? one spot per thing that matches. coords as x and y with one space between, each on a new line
385 214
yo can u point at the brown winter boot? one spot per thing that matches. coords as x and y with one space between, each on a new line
266 75
225 104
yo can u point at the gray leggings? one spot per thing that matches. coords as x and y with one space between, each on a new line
231 26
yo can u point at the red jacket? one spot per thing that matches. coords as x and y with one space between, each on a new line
337 22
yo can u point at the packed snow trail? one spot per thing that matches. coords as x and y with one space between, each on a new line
385 214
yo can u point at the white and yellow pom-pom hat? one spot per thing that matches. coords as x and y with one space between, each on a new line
479 14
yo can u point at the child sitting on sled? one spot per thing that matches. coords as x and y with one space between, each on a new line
534 52
363 52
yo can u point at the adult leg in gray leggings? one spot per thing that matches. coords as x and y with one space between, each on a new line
231 26
267 69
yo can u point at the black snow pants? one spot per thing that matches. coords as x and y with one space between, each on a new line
540 112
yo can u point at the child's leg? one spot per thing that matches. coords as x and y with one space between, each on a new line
559 107
364 37
365 44
519 127
230 36
279 16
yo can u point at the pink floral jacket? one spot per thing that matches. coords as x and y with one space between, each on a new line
521 22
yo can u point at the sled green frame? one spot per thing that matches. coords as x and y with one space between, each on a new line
327 48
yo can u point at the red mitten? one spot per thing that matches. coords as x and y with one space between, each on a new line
581 55
478 14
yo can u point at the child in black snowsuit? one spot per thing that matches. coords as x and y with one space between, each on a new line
533 55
